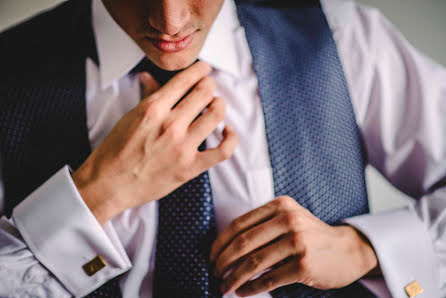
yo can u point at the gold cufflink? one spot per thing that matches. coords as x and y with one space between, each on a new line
94 266
413 289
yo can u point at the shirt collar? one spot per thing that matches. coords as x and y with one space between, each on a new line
118 53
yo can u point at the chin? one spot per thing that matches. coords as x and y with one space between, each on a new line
173 62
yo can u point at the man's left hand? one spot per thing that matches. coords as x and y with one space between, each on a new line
293 246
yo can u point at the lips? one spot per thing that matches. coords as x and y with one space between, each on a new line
172 46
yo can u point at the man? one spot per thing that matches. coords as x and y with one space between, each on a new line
95 226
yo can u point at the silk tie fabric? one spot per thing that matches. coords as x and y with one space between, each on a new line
186 231
314 143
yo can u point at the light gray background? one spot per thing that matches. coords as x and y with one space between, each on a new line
423 22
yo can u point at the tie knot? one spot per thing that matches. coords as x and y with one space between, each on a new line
161 75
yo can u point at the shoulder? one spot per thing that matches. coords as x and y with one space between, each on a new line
349 14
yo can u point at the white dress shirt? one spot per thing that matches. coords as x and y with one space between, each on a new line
399 99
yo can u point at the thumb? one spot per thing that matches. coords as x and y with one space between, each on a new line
148 84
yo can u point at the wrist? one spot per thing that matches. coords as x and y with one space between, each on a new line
360 246
96 195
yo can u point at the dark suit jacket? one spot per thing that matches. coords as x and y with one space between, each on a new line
42 97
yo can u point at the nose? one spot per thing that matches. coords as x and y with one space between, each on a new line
170 16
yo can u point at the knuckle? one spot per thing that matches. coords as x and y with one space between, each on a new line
198 69
204 90
207 84
236 225
152 110
253 262
291 219
174 130
288 219
295 240
218 108
242 242
285 202
304 266
185 78
268 282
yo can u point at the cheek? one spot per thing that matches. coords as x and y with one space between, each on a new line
135 20
129 14
207 10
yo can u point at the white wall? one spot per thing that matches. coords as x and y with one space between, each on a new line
422 22
12 11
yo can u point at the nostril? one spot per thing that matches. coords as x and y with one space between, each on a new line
170 18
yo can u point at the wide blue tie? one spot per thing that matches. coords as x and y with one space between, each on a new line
314 143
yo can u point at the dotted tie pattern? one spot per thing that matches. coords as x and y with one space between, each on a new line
314 143
186 231
111 289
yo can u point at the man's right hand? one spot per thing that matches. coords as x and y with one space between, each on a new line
153 149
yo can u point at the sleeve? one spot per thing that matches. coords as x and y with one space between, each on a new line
21 275
56 228
399 97
409 247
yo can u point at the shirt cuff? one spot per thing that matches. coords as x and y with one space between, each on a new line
64 235
404 250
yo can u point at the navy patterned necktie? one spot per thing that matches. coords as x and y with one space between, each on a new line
167 228
186 231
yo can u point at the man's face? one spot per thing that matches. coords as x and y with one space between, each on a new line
170 32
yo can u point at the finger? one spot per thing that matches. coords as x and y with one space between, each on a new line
211 157
246 242
148 83
257 262
240 225
204 125
194 103
180 84
281 276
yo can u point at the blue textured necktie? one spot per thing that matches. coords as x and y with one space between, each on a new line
314 143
